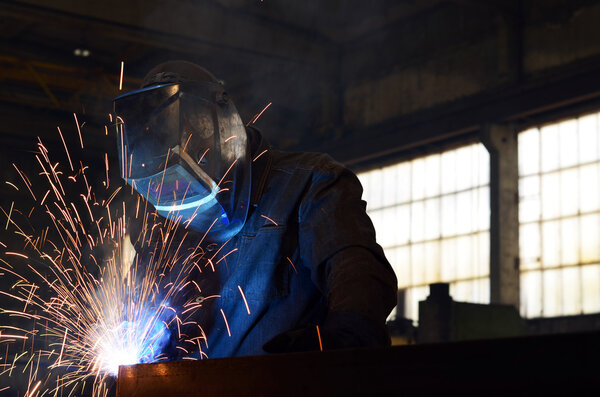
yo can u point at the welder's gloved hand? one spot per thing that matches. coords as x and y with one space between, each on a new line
341 330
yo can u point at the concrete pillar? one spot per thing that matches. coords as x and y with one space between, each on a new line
502 144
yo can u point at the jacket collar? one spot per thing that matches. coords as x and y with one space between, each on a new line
262 160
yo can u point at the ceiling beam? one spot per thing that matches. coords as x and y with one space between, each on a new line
198 26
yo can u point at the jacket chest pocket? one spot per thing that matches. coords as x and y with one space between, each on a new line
261 271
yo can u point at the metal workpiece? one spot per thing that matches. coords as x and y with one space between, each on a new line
542 365
317 373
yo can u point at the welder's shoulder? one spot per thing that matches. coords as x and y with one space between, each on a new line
307 162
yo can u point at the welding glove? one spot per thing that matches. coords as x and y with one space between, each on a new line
341 330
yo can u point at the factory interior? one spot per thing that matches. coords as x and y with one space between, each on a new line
472 126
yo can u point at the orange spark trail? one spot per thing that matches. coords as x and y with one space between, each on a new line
226 255
9 214
34 389
162 181
269 219
16 254
244 297
319 335
12 336
226 323
186 142
261 153
45 197
62 347
106 164
25 180
121 78
229 169
122 151
12 184
291 263
260 114
65 145
203 154
78 130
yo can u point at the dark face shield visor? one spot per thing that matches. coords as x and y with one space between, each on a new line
187 154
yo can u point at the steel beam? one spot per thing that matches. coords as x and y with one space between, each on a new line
543 365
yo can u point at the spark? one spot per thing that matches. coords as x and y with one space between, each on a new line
260 114
9 214
186 142
78 130
12 336
319 335
27 184
12 184
45 197
65 145
16 254
162 181
292 263
62 346
35 388
244 297
107 181
203 154
261 153
212 265
112 196
121 77
227 172
226 323
269 219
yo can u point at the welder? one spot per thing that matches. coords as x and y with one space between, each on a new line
301 248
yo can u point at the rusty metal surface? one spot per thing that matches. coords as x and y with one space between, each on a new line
548 365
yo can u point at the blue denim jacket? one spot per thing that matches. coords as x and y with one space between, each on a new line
306 253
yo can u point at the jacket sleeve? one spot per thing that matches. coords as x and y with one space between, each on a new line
337 241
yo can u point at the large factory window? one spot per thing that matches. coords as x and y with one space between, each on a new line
431 215
559 214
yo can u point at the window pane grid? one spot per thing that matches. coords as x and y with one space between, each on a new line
439 196
559 213
431 215
565 217
471 234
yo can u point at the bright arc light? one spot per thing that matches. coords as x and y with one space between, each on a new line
131 343
115 358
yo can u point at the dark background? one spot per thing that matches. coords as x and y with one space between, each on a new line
362 80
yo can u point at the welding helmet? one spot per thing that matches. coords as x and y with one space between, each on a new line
183 147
